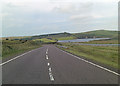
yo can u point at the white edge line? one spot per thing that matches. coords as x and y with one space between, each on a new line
93 63
16 57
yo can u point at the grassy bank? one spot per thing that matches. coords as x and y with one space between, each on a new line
44 40
66 38
98 34
13 47
10 48
105 55
19 37
89 34
102 42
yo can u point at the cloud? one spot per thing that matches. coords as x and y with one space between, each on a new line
80 17
74 8
105 1
26 17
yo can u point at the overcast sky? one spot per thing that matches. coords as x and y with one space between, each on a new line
33 17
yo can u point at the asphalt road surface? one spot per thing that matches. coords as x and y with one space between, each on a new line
50 65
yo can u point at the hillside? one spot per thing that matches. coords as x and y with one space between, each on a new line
57 36
90 34
98 33
15 38
70 36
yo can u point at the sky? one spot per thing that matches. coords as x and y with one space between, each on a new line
36 17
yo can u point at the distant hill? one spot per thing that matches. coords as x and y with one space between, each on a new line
98 34
69 36
53 36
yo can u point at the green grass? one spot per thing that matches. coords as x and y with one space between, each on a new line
102 42
105 55
66 38
45 40
10 48
98 33
19 37
13 47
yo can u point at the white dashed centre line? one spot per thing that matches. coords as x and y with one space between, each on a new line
48 64
50 74
49 69
51 77
46 56
46 52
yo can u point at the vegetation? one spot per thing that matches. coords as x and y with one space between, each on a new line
15 38
53 36
10 48
98 34
90 34
102 54
44 40
102 42
69 36
66 38
14 45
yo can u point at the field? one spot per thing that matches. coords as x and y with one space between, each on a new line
20 37
105 55
44 40
13 47
102 42
66 38
98 34
10 48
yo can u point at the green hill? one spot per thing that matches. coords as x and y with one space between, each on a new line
98 34
57 36
70 36
90 34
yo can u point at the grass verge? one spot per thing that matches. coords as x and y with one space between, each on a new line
10 48
102 42
102 54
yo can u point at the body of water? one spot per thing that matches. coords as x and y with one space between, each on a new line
83 40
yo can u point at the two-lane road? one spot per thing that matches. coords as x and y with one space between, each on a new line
50 65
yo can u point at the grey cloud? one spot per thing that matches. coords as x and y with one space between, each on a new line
74 8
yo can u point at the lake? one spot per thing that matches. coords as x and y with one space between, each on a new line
83 40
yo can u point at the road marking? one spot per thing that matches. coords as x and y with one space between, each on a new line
50 69
46 52
93 63
51 75
48 64
46 56
16 57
